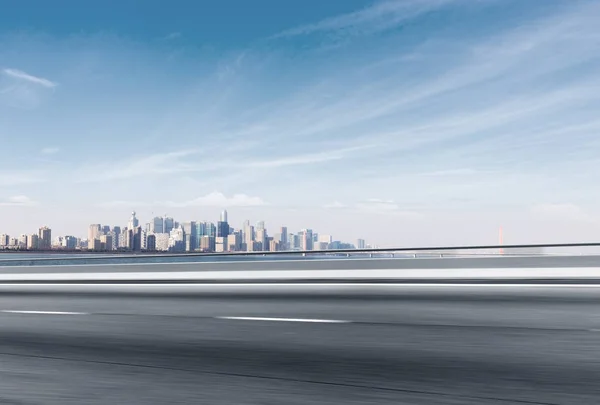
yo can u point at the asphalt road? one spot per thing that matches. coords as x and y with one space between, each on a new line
410 349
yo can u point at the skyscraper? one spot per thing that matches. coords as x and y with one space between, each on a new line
190 236
261 239
69 242
222 229
157 225
124 239
234 241
162 241
176 240
32 241
211 230
249 239
223 216
133 221
116 234
44 238
106 242
151 243
283 243
245 237
137 238
306 239
208 243
168 225
94 231
23 241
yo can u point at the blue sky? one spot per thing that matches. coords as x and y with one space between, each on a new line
404 122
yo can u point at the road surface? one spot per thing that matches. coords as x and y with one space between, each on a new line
410 349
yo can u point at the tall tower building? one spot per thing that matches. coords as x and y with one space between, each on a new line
157 225
306 239
23 241
211 229
223 225
249 239
133 221
261 239
283 243
168 224
44 238
245 230
190 235
116 234
222 229
94 232
137 239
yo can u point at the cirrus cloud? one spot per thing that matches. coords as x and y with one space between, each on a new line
214 199
23 76
18 201
218 199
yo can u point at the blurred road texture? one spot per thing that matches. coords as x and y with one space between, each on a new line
421 345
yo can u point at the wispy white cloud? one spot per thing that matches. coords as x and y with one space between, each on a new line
18 178
561 211
214 199
385 207
154 164
22 90
18 201
131 205
173 35
201 161
378 17
20 75
218 199
51 150
450 172
335 205
303 159
374 206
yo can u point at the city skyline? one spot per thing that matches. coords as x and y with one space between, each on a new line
403 122
166 234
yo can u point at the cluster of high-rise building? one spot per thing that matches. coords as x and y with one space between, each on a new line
164 234
42 240
168 235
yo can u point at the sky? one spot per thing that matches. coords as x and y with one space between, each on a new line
403 122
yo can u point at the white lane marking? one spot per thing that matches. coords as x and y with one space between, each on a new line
8 311
253 318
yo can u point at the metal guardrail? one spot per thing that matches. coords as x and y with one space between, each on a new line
97 256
